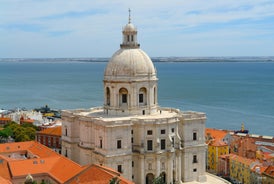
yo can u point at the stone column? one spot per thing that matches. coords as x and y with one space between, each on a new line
170 168
142 167
158 166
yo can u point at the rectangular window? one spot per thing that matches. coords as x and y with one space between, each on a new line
195 159
163 131
124 98
163 144
101 143
132 163
119 168
172 130
149 132
119 144
131 139
141 98
149 145
194 136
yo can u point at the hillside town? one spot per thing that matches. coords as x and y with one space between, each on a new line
130 138
236 156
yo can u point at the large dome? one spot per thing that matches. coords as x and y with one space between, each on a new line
130 63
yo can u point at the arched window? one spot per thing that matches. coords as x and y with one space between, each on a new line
123 94
149 178
143 96
108 95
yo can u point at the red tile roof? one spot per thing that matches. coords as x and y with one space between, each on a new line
96 174
217 143
270 170
57 131
214 137
42 160
36 159
240 159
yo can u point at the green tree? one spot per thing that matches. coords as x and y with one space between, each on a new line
114 180
159 180
19 133
6 132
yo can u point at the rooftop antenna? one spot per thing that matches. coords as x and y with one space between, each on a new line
129 17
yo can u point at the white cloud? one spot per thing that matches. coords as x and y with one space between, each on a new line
84 22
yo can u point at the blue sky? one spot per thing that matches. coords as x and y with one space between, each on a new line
187 28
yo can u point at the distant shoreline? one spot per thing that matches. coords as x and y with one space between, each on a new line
154 59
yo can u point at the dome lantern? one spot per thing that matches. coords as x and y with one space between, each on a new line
129 35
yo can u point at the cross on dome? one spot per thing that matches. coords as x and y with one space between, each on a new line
129 16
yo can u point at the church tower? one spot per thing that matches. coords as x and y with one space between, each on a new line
130 81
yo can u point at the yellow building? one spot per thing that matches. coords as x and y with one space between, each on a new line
239 168
215 150
216 147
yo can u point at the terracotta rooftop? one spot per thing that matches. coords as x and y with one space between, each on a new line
240 159
269 171
217 143
5 119
96 174
215 134
57 131
36 159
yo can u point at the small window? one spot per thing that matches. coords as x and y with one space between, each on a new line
163 144
131 131
119 168
172 130
149 132
195 170
195 159
173 142
128 38
101 143
132 164
119 144
141 98
131 139
149 145
194 136
124 98
163 131
132 38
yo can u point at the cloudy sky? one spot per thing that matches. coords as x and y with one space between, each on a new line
92 28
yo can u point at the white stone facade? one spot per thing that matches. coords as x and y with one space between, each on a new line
131 133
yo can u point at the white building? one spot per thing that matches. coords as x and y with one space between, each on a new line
131 133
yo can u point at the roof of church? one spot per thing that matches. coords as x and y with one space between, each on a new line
130 63
130 60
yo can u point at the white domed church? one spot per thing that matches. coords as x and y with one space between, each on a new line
131 133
